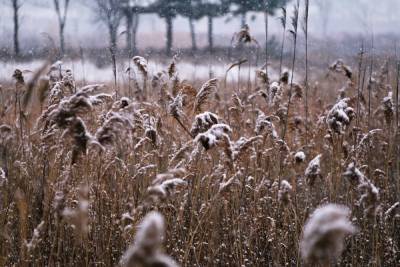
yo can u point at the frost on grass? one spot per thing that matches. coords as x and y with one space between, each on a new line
340 116
284 192
299 157
393 211
353 174
264 125
36 237
146 249
324 234
370 196
203 122
78 217
166 189
214 136
313 170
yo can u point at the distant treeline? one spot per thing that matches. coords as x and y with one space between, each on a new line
126 13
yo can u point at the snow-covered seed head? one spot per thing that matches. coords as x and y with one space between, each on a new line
214 136
81 138
339 67
262 78
393 211
175 106
36 237
3 177
369 199
299 157
203 122
324 233
284 192
313 170
141 64
203 94
340 116
387 106
265 125
166 188
146 249
353 175
124 102
78 217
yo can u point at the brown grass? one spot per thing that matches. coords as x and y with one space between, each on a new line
75 186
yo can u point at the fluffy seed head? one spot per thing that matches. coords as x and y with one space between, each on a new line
324 233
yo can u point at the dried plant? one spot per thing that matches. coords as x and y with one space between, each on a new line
233 185
36 237
78 217
284 192
214 136
203 122
339 67
204 93
340 116
324 233
146 248
313 170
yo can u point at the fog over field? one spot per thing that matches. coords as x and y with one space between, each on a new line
340 17
168 133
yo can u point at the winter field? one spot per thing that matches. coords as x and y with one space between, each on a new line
249 160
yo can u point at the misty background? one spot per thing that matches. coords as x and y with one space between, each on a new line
343 18
337 28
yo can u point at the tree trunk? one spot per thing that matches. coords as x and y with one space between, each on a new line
210 34
113 51
243 19
113 41
266 40
168 47
62 39
134 32
62 17
192 34
16 27
128 17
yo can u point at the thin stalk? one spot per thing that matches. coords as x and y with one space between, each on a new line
369 105
294 33
114 67
397 135
397 96
305 29
283 22
266 35
359 83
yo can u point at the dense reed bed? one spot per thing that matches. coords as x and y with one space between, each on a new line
166 171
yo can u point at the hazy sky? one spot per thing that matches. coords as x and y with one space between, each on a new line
344 16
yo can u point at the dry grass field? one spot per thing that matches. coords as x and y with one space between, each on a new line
166 171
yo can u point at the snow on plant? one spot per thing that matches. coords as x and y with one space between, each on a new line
324 233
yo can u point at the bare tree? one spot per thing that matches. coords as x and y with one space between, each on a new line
16 6
131 10
109 12
62 17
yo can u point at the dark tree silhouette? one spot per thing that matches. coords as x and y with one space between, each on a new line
109 12
132 10
198 9
189 9
16 5
168 9
62 17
